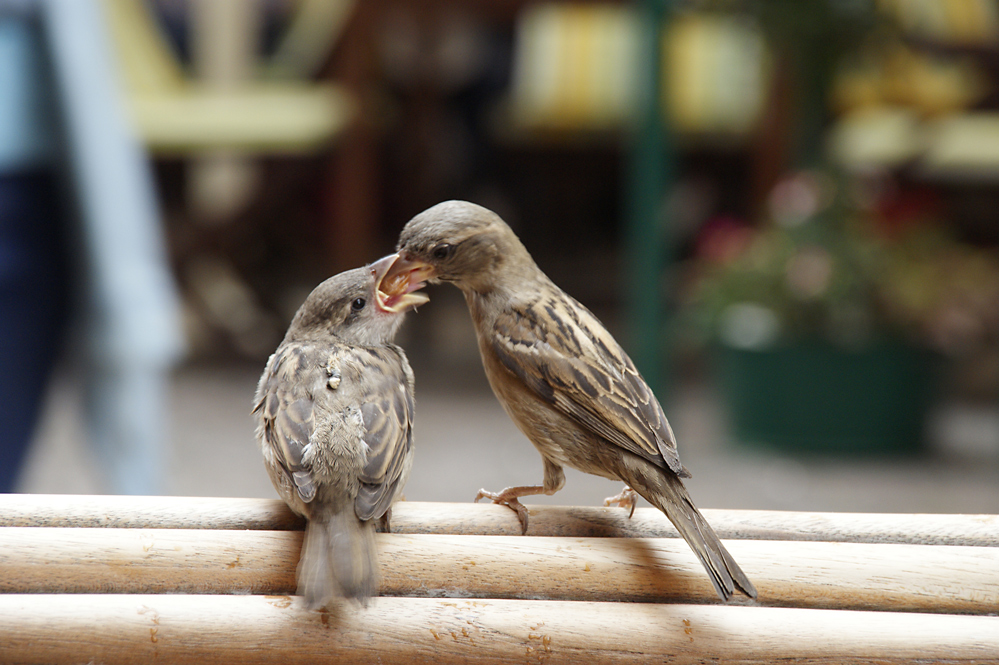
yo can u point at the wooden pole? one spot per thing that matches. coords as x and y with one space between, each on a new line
146 512
899 578
598 522
277 629
486 519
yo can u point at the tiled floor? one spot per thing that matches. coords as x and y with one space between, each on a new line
465 441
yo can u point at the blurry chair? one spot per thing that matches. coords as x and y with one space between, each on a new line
232 109
229 112
177 115
577 71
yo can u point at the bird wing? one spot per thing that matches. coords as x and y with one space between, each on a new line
287 409
566 357
387 409
286 400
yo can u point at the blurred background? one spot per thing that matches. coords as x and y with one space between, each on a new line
785 211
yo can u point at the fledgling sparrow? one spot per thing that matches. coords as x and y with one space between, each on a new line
334 413
561 377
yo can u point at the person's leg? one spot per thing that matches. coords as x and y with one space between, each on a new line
127 425
33 309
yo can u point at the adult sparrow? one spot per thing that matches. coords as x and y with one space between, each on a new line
561 377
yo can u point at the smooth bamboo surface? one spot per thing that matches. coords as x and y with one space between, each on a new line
146 512
277 629
486 519
899 578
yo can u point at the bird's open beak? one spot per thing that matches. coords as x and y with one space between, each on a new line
396 281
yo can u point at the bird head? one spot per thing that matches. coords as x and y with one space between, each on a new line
361 306
459 242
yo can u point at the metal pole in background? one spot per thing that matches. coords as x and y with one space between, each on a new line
645 244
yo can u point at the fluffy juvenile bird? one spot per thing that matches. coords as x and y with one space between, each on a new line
334 412
559 374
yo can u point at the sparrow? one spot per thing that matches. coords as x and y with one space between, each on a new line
562 378
334 415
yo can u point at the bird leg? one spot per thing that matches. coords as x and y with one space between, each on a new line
626 499
509 497
385 522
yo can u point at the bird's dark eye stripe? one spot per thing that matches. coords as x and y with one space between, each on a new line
358 304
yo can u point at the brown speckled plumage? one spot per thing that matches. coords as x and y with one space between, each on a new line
334 411
562 378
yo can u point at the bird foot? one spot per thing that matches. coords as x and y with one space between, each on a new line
628 498
508 499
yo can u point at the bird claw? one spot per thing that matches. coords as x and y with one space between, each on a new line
628 498
512 503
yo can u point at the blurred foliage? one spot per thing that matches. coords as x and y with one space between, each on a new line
849 262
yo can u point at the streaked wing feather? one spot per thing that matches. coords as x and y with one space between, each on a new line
570 360
289 417
387 409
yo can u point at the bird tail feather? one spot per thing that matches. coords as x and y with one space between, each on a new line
338 559
666 492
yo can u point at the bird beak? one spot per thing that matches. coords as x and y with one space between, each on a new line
395 283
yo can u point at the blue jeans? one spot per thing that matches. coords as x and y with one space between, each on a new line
34 304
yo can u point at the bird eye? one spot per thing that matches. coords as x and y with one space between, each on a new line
441 252
358 304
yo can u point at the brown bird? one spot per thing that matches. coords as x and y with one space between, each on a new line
561 377
334 412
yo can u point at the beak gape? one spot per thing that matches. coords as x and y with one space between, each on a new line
396 283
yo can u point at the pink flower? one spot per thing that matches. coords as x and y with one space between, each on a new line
723 240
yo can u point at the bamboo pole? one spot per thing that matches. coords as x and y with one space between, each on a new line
145 512
277 629
487 519
900 578
599 522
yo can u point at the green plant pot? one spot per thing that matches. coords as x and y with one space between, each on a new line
817 398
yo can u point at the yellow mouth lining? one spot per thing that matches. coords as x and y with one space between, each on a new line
396 291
